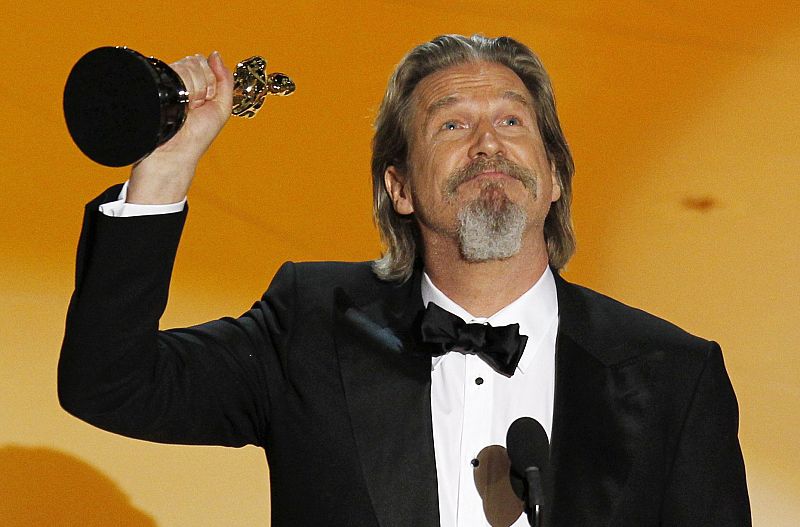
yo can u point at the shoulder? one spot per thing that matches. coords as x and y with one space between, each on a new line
615 331
322 279
329 274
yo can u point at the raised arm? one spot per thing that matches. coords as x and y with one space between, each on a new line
200 385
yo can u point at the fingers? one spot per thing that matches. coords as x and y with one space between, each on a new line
200 81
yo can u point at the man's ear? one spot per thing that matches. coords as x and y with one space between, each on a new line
397 185
555 194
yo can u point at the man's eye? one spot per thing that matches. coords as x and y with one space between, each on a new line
451 125
511 121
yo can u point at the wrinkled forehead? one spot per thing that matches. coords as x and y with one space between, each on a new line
477 80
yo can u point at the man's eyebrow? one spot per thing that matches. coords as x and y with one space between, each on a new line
451 100
517 97
444 102
439 104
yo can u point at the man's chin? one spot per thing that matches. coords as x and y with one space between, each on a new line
491 227
494 198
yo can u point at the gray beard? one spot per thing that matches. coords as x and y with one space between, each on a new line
490 231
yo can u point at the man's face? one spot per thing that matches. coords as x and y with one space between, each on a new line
475 157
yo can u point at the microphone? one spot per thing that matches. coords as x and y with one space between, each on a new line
529 452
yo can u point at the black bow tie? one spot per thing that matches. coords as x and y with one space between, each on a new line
501 347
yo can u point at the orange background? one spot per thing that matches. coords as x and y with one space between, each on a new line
682 117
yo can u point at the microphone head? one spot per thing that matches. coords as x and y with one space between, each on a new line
527 446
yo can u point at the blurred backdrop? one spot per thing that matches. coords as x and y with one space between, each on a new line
682 117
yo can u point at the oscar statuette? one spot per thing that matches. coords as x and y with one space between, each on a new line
120 105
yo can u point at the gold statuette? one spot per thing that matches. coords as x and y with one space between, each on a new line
251 85
120 105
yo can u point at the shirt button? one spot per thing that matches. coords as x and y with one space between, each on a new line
475 462
479 381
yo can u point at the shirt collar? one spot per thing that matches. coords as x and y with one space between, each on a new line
536 310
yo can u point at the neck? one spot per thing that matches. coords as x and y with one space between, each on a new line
484 288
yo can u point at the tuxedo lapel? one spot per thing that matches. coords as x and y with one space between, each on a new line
602 399
387 389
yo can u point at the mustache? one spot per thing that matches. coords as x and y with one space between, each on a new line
490 164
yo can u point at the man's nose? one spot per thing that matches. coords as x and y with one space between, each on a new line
485 141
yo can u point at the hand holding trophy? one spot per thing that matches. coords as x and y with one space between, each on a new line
120 105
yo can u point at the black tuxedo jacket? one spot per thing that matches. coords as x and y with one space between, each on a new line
325 373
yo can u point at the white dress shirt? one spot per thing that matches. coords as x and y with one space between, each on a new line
121 209
472 406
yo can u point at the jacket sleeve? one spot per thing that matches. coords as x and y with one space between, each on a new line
205 384
707 484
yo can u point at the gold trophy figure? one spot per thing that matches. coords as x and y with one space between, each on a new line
251 85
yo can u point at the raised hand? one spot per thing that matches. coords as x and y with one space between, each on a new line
166 174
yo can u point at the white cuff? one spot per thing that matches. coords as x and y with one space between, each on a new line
121 209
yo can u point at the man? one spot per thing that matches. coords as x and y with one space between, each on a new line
368 415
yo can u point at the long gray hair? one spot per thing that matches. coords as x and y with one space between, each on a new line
400 234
